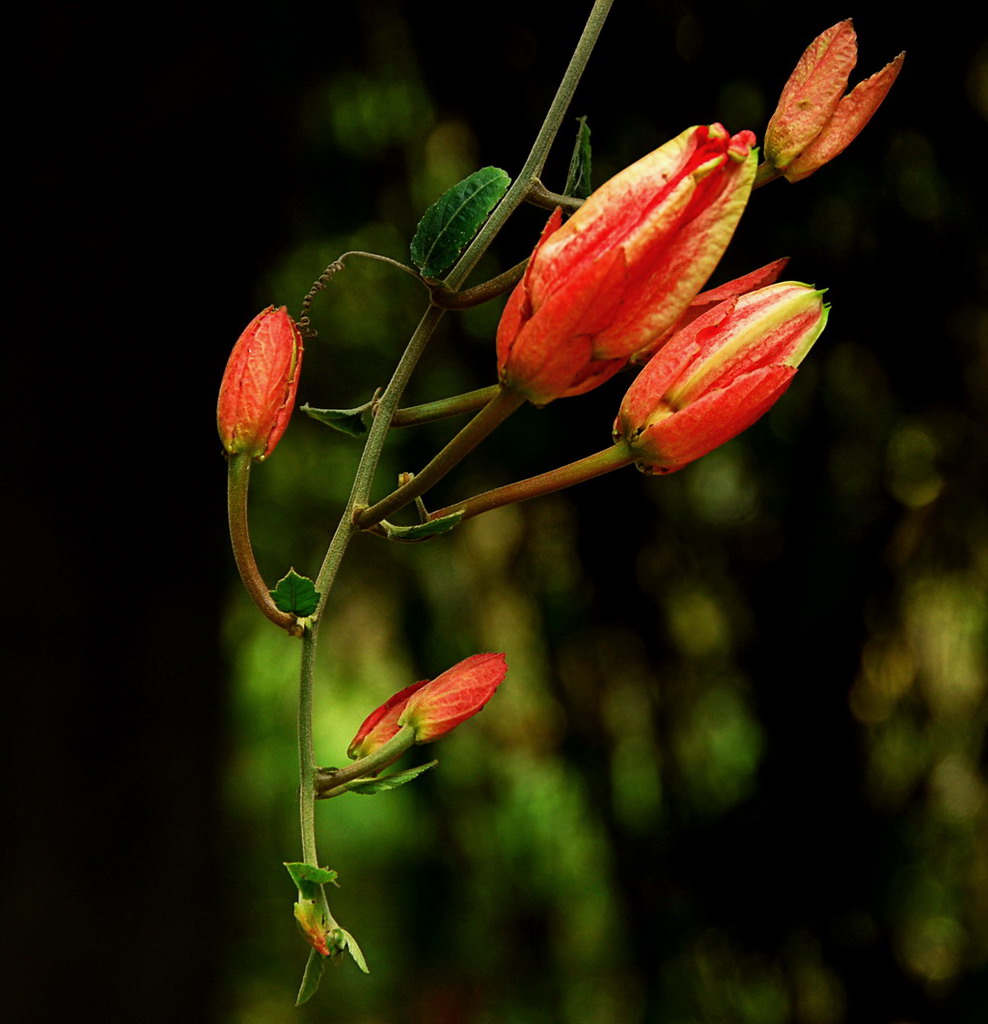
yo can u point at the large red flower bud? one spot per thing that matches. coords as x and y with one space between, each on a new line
718 375
259 385
621 271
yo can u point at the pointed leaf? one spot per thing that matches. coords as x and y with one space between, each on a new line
347 421
308 878
368 787
350 943
310 979
296 594
450 224
578 178
423 531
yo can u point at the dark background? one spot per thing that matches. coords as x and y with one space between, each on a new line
179 172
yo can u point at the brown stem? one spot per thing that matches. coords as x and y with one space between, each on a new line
448 298
500 407
238 476
470 401
539 195
615 457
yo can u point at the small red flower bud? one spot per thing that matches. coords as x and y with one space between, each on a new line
621 271
814 120
718 375
258 390
433 707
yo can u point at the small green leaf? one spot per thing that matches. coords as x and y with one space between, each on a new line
350 944
308 878
310 979
347 421
452 221
578 176
423 531
368 787
295 594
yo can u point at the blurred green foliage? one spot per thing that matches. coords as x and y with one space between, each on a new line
736 771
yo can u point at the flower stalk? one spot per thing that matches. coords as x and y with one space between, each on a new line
238 477
497 410
606 461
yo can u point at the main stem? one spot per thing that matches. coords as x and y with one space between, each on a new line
532 168
345 530
389 402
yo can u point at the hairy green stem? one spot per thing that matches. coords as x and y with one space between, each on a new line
307 767
532 168
428 412
609 459
765 173
539 195
306 754
327 779
447 298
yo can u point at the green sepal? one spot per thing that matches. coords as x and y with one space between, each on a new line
295 594
347 421
367 787
308 878
578 177
451 223
422 531
344 940
311 978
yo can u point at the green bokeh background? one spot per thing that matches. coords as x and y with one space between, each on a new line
736 773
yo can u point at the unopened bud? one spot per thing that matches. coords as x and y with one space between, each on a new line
259 385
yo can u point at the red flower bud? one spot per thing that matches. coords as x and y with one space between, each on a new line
433 707
259 385
621 271
718 375
814 121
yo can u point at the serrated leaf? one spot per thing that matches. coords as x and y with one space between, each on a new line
423 531
308 878
310 979
347 421
368 787
452 221
296 594
353 949
578 177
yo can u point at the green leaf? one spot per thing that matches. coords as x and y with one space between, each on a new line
423 531
295 594
578 176
452 221
347 421
368 787
350 944
308 878
310 979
